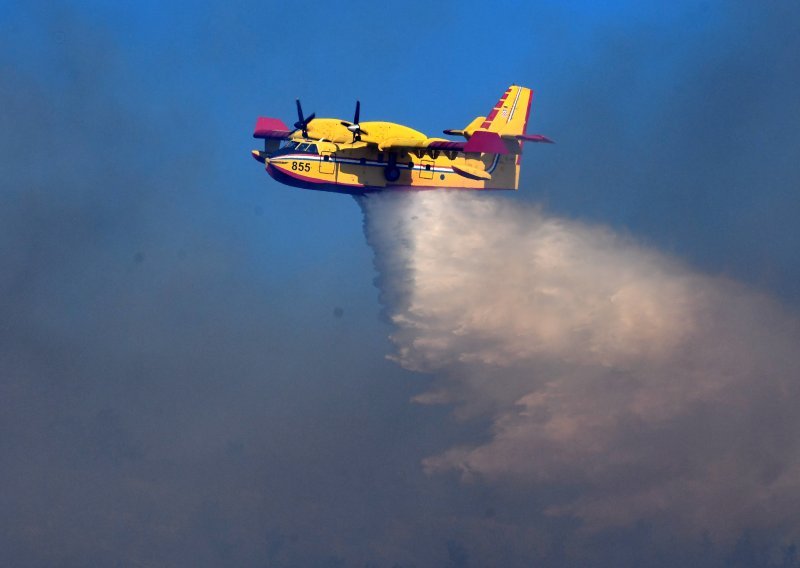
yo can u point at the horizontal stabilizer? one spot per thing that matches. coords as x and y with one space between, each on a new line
271 128
468 130
484 142
528 138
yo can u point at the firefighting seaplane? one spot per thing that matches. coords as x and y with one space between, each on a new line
354 157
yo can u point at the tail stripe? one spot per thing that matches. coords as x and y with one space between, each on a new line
514 106
488 122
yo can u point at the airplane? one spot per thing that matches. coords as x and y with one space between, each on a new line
354 157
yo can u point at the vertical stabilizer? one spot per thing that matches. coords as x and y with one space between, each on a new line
510 113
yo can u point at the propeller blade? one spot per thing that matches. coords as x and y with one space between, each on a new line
302 122
362 131
358 112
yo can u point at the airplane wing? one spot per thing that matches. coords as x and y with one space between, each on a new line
417 143
354 147
271 129
479 143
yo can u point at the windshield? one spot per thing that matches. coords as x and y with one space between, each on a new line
299 147
302 147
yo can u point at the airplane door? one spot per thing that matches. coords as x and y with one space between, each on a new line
327 163
426 169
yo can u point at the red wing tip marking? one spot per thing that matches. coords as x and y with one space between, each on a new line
267 127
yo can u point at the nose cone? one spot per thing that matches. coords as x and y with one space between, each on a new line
260 156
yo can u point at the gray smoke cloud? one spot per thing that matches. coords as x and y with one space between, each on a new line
618 382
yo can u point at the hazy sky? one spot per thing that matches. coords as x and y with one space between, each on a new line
192 356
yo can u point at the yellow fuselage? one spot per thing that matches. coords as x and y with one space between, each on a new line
330 160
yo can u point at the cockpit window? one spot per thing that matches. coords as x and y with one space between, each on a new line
300 147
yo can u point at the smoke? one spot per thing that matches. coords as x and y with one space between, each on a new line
177 386
618 383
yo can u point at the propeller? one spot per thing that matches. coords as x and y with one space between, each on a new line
354 126
302 123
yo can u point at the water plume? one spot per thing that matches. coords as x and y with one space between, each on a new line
616 379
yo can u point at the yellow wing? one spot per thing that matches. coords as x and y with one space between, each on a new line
417 143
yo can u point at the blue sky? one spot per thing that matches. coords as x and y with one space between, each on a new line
628 77
172 307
